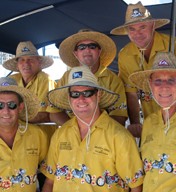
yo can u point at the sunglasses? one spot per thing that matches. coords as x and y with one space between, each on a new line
159 82
84 46
87 93
11 105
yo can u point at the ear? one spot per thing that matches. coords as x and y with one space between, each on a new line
21 107
75 54
99 95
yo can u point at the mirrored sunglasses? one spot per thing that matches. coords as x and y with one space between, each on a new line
159 82
87 93
11 105
90 46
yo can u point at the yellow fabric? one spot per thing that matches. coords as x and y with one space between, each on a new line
129 60
158 153
40 86
29 149
112 148
109 80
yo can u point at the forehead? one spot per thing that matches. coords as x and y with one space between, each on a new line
86 42
162 74
80 88
8 95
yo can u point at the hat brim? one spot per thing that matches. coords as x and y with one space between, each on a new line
122 30
59 96
30 99
11 64
108 48
140 79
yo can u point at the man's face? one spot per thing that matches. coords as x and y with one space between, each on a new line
9 114
28 66
82 106
163 86
88 56
141 33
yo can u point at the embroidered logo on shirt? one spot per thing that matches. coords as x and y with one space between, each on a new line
148 138
65 146
32 151
101 150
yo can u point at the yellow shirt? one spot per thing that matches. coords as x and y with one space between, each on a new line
159 155
18 166
109 80
108 162
40 85
129 60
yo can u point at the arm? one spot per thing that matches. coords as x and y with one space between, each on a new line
135 126
48 186
41 117
59 118
137 189
119 119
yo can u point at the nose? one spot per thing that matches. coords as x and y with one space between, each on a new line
81 97
5 109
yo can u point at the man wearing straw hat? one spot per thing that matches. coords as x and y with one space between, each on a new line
97 51
139 55
91 152
23 146
29 64
159 129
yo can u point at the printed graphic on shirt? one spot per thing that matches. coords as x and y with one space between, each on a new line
82 173
20 178
162 164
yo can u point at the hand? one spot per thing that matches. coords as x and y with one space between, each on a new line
135 129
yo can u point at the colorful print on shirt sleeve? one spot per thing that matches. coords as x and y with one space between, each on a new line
162 164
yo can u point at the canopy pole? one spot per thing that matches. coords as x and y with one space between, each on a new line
173 20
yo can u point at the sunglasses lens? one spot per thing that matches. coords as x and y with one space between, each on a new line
2 105
84 46
74 94
12 105
81 47
87 93
93 46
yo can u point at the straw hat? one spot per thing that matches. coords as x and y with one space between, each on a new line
27 49
81 76
137 13
162 62
108 47
32 103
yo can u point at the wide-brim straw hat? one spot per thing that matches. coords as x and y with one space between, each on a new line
81 76
108 47
137 13
164 61
32 103
27 49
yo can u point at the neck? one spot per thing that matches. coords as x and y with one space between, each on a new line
172 111
8 136
95 67
84 125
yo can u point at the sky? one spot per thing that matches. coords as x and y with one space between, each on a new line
148 2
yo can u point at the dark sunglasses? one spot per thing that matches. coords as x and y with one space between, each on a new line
84 46
87 93
11 105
